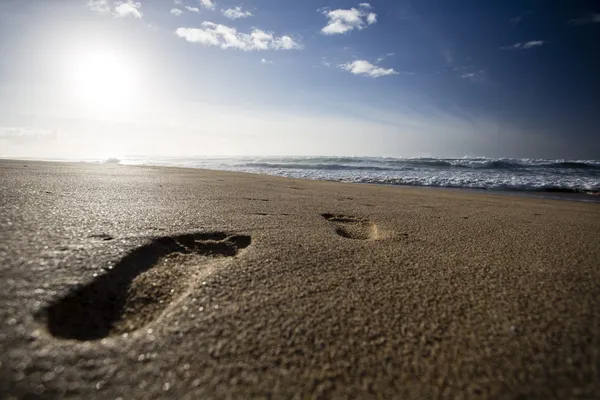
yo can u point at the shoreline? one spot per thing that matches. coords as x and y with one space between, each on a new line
590 197
548 194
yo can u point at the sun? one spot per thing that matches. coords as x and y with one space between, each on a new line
103 80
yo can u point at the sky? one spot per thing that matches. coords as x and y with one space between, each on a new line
397 78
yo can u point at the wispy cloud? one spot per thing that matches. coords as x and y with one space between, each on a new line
22 133
207 4
192 9
212 34
380 59
463 68
235 13
176 12
590 19
448 56
265 61
363 67
325 62
121 9
342 21
477 76
533 43
524 46
100 6
519 18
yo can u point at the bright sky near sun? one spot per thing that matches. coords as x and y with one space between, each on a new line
99 78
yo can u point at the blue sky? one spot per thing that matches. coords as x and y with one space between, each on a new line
95 78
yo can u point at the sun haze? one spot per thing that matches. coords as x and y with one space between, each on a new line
103 79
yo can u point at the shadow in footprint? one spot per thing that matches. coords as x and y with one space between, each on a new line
353 227
138 288
101 236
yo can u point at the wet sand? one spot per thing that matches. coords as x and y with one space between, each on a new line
147 282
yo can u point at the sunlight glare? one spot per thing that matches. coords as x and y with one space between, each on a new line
103 80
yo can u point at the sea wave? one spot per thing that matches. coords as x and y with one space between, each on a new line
331 167
568 176
482 184
384 164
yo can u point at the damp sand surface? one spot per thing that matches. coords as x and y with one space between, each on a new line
149 282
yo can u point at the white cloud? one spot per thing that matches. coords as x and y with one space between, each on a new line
192 9
176 12
100 6
207 4
524 46
362 67
123 8
177 2
533 43
128 8
265 61
342 21
212 34
235 13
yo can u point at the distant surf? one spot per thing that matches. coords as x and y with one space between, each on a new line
541 175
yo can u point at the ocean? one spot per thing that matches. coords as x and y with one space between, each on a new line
519 175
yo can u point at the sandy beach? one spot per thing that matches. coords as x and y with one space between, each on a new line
148 282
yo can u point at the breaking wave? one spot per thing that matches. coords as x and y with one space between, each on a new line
568 176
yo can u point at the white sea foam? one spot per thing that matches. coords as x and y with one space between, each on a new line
480 173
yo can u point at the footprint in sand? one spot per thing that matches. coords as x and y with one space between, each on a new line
353 227
139 288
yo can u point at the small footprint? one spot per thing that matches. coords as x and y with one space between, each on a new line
139 288
101 236
353 227
265 214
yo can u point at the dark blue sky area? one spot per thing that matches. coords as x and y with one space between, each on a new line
554 85
557 80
